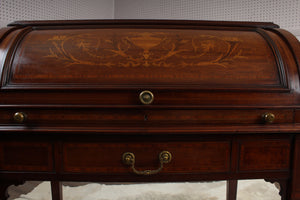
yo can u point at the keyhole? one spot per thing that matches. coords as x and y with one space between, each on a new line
145 117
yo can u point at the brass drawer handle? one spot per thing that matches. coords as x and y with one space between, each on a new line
146 97
129 159
20 117
268 117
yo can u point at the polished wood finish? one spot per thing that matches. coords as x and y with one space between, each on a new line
148 23
296 171
264 155
93 117
56 190
137 53
29 156
225 102
194 157
231 189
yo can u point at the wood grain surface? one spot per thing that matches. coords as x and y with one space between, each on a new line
78 84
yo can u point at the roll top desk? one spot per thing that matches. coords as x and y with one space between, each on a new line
149 101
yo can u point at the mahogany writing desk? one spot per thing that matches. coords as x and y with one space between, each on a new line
149 101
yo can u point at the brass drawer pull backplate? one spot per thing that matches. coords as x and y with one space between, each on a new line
146 97
268 118
20 117
129 159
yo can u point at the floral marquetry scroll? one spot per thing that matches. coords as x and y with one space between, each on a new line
141 50
145 56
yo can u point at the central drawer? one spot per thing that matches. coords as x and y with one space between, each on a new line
106 157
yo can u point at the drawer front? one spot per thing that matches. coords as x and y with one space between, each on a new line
192 157
29 156
142 117
264 155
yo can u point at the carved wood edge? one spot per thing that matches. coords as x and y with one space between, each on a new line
4 186
282 184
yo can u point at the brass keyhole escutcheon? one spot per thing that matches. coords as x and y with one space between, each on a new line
268 118
20 117
146 97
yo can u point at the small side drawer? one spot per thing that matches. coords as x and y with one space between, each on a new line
192 157
264 155
26 156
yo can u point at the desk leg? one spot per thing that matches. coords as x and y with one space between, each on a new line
295 183
3 188
56 190
283 190
231 189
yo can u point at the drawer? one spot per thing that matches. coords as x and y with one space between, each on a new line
29 156
141 117
264 155
192 157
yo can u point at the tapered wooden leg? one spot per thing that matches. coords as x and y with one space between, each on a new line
231 189
56 190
